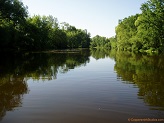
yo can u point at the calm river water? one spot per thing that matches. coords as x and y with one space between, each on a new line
81 87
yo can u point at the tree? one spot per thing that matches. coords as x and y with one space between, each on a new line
20 32
100 42
150 24
113 42
76 38
13 16
13 10
143 32
126 31
57 39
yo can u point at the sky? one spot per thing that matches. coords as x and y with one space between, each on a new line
99 17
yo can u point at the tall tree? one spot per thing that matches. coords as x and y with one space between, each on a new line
126 32
150 24
13 16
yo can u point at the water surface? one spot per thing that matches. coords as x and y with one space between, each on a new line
80 87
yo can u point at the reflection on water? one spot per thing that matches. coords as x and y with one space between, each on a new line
145 72
76 87
41 65
16 69
12 89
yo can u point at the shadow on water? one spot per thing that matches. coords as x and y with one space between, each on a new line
143 71
16 69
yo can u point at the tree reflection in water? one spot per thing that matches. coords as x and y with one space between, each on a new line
12 89
15 69
143 71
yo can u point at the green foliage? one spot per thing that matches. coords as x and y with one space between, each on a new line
13 10
150 24
113 42
43 33
143 32
20 32
100 42
126 31
76 38
13 16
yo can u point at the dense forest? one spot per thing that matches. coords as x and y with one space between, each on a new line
142 32
19 31
145 31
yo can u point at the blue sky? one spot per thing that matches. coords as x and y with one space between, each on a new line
99 17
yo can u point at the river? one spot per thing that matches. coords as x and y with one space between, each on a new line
81 87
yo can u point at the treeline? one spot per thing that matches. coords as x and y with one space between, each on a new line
100 42
19 31
141 32
145 31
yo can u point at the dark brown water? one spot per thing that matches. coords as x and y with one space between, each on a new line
81 87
